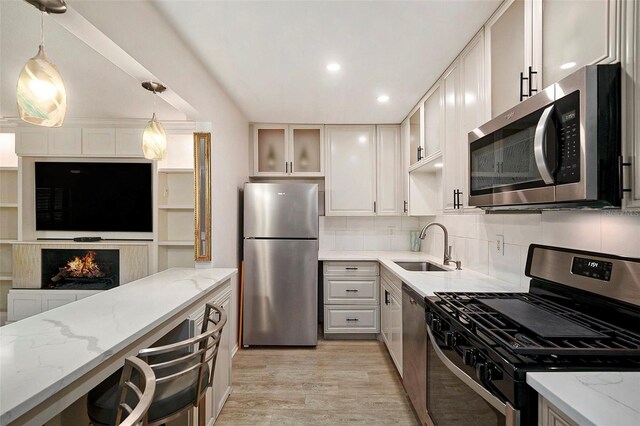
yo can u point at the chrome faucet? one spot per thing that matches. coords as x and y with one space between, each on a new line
447 247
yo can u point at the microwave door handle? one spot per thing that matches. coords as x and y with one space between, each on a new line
540 145
477 388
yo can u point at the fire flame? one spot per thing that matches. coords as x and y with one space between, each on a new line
84 267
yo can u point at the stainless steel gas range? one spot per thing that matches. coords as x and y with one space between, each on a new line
582 313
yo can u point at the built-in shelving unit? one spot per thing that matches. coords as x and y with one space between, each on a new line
8 215
175 227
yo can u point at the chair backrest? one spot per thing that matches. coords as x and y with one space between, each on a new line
173 361
142 391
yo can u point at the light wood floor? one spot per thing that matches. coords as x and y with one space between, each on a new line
338 382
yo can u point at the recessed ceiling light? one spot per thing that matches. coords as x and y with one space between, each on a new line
383 98
438 165
333 67
567 66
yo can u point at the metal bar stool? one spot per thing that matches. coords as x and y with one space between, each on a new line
183 370
143 392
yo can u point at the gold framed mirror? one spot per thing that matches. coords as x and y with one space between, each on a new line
202 196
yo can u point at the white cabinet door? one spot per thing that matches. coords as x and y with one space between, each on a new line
129 142
631 91
452 134
395 329
65 141
404 166
305 151
351 170
222 377
577 33
270 157
56 299
23 304
509 44
32 141
416 135
388 152
433 119
99 141
385 320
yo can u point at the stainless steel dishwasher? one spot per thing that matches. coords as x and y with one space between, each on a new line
414 351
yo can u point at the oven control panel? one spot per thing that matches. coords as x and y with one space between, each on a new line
591 268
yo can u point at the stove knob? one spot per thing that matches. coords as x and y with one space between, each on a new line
436 325
450 339
487 372
469 357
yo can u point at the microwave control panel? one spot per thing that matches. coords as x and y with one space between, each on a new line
568 125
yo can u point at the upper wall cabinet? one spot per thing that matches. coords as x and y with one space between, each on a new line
288 150
631 91
73 142
574 34
415 134
546 40
509 45
351 171
363 171
425 128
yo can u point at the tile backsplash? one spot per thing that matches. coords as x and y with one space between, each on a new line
367 233
473 236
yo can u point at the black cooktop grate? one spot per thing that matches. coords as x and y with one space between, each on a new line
564 331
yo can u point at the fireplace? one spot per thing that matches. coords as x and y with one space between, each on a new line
80 269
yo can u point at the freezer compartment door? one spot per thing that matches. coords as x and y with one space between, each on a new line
280 210
280 293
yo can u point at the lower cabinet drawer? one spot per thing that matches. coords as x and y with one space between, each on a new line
351 319
349 291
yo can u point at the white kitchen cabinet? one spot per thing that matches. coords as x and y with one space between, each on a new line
99 141
288 150
25 303
404 163
389 166
32 141
550 415
350 185
464 111
416 134
351 298
631 105
391 316
221 388
433 121
452 180
65 141
129 142
575 34
510 51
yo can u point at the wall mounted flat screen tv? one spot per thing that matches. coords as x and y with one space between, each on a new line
106 197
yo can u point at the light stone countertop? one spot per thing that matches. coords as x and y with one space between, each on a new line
592 398
42 354
426 283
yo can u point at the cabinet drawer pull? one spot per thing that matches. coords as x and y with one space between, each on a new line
352 319
351 268
351 290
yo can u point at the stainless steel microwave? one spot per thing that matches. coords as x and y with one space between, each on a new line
558 149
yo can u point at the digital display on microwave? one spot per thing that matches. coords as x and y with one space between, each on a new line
568 116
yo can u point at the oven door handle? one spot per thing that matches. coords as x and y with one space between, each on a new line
506 409
540 145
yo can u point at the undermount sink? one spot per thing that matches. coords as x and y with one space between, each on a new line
420 266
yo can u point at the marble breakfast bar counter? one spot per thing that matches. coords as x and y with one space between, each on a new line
49 360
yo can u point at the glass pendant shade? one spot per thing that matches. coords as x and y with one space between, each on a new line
154 140
42 99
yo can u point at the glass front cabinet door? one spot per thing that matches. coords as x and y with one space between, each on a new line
288 150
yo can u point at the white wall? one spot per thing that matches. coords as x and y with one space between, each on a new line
366 233
473 237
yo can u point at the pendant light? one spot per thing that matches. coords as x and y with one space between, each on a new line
40 93
154 138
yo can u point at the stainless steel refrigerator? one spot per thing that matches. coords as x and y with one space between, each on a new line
280 264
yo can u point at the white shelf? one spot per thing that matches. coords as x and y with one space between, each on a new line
175 170
176 243
8 168
427 165
175 207
6 277
9 241
8 205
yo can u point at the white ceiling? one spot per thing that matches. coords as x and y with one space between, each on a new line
269 56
